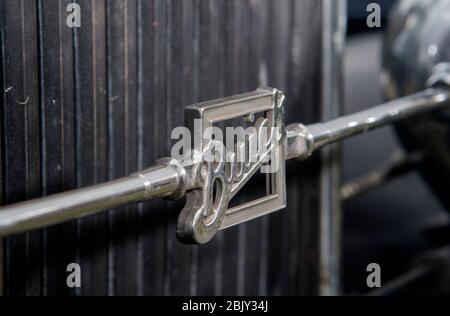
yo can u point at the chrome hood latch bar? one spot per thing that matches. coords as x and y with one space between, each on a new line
199 177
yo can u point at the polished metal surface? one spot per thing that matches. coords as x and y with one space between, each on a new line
334 43
417 57
159 181
204 214
202 218
304 140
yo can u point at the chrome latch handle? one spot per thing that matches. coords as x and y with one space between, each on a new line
205 214
195 177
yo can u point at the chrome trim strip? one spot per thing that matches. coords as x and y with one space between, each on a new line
333 41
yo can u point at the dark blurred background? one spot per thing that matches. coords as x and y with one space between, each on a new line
357 15
387 225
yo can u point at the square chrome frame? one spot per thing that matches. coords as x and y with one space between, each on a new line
263 100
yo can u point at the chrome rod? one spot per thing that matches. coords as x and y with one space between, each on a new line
159 181
170 178
346 126
303 140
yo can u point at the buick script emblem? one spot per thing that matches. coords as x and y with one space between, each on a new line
222 173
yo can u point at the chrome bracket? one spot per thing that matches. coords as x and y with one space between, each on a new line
205 214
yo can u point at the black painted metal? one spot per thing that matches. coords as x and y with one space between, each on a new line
85 105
